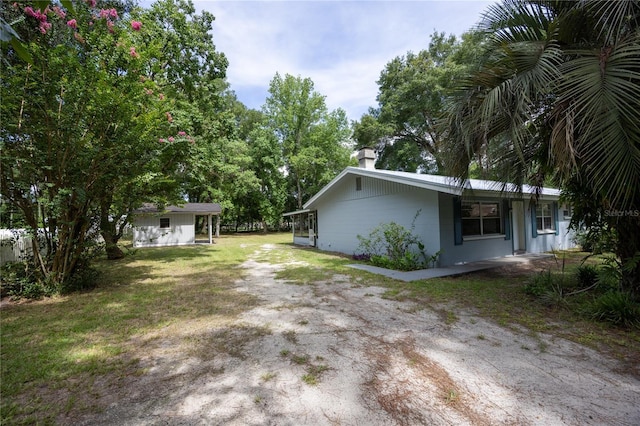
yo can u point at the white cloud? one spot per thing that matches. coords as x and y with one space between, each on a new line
341 46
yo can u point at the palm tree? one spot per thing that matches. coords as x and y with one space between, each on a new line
556 98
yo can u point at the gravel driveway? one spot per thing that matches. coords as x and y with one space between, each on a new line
336 353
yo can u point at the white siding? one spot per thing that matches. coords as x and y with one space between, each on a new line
147 232
345 213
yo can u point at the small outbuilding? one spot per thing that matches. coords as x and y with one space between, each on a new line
464 223
174 225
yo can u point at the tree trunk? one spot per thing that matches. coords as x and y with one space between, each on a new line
111 245
109 232
628 251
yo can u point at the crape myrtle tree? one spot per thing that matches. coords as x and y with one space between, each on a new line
185 64
179 57
315 143
78 120
404 129
558 98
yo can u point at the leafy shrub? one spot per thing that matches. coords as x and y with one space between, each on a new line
364 257
598 238
392 246
615 307
539 283
547 287
587 276
85 277
22 279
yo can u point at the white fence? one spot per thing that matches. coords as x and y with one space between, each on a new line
15 244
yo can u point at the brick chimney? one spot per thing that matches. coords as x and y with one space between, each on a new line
366 158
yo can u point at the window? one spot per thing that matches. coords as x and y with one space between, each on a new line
544 218
358 183
301 225
164 223
481 218
567 211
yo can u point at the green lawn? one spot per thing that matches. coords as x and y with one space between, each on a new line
55 352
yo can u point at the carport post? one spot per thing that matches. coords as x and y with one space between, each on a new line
209 228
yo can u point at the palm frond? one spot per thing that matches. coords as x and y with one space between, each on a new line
602 88
614 19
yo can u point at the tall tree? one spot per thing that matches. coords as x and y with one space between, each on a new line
403 128
315 142
183 60
557 98
75 119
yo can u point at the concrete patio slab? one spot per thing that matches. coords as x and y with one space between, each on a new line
425 274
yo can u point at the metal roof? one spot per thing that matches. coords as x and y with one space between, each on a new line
445 184
198 208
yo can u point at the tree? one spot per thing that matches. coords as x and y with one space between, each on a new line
78 121
183 60
314 142
403 129
557 98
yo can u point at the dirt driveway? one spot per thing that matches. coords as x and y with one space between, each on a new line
336 353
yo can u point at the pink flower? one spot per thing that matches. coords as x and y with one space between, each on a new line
61 13
91 3
104 13
161 140
182 134
110 26
148 91
44 27
136 25
29 11
40 16
169 117
161 96
132 52
171 139
72 23
113 13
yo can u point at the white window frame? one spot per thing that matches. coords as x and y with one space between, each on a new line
541 216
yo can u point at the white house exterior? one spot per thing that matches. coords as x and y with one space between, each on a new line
482 221
174 225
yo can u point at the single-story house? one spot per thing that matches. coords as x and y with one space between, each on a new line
173 225
482 220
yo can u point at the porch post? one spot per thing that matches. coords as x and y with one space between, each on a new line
209 224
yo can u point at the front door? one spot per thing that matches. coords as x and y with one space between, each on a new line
517 219
312 229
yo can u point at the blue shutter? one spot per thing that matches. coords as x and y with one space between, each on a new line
555 216
457 221
506 219
534 225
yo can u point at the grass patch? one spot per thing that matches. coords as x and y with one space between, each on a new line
55 351
60 356
268 376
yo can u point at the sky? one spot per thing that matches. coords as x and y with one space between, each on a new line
341 45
